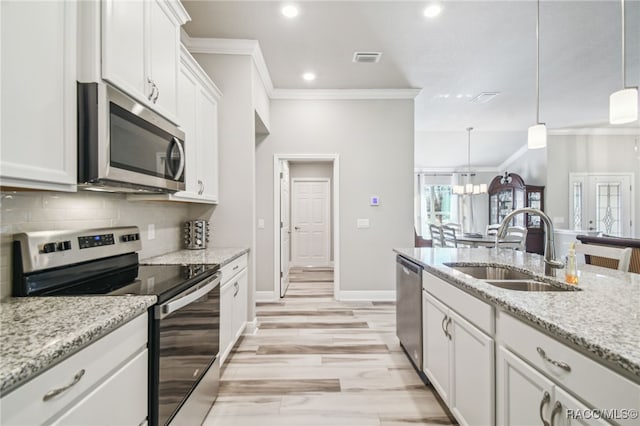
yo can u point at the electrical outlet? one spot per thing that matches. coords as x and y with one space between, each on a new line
151 231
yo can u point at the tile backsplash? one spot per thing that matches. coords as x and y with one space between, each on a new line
41 211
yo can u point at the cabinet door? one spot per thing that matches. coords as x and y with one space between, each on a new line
164 53
239 302
187 100
436 344
125 389
207 119
38 91
570 411
472 373
226 320
523 395
123 46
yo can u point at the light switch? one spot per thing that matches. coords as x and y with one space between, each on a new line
151 231
362 223
260 223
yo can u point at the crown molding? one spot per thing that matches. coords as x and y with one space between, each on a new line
451 170
227 46
345 94
633 131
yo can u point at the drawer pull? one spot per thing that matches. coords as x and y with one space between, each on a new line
235 268
545 399
559 364
557 408
56 392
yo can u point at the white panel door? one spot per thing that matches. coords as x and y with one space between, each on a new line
285 227
472 373
524 396
436 344
311 222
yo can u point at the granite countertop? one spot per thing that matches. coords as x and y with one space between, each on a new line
38 332
210 255
603 319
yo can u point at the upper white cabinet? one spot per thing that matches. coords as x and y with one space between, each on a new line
38 91
141 50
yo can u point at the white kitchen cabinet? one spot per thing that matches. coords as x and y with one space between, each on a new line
38 92
113 368
458 360
233 304
198 116
141 50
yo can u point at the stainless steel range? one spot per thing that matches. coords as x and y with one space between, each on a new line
184 325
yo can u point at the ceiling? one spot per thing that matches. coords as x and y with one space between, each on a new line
471 47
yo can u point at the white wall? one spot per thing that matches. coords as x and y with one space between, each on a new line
374 139
530 164
593 153
44 211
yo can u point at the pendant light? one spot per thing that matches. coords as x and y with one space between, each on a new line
469 188
537 134
623 104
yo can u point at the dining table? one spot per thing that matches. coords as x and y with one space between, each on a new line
484 240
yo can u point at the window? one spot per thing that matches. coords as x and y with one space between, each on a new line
435 202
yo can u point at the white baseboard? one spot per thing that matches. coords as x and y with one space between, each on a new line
266 296
374 296
251 327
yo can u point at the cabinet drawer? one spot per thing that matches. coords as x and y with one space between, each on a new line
229 270
471 308
589 380
25 405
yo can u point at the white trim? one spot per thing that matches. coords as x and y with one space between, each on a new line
335 159
513 157
227 46
450 170
596 131
251 327
266 296
376 296
345 94
328 212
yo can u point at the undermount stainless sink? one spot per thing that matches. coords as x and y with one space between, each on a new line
509 279
492 273
526 285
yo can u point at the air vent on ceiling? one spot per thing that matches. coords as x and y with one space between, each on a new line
367 57
484 97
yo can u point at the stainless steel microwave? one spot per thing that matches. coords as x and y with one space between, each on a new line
125 147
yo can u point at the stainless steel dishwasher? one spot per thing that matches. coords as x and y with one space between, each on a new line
409 310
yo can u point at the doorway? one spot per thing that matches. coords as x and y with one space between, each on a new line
306 206
602 202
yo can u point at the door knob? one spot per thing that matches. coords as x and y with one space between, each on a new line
296 228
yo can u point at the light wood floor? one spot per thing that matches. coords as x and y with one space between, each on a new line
316 362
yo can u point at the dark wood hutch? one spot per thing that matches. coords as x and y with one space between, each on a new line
509 192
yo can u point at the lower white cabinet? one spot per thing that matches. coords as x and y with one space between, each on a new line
233 304
458 360
103 384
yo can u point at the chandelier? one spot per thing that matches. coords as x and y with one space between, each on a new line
469 188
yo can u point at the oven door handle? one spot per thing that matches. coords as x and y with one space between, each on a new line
180 302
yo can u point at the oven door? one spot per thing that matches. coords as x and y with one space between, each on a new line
187 334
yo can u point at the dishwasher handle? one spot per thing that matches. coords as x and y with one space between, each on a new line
416 269
186 298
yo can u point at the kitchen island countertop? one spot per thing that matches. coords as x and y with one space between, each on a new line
602 320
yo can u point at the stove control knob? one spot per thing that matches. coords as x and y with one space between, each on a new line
49 248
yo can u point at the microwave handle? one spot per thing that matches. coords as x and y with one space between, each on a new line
182 159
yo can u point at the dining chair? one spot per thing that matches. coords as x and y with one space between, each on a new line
449 236
492 229
622 255
517 236
437 239
456 227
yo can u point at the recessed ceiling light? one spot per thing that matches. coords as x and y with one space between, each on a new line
432 10
309 76
290 11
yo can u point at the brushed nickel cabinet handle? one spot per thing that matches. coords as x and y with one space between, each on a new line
444 330
447 328
545 399
237 287
559 364
557 408
55 392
